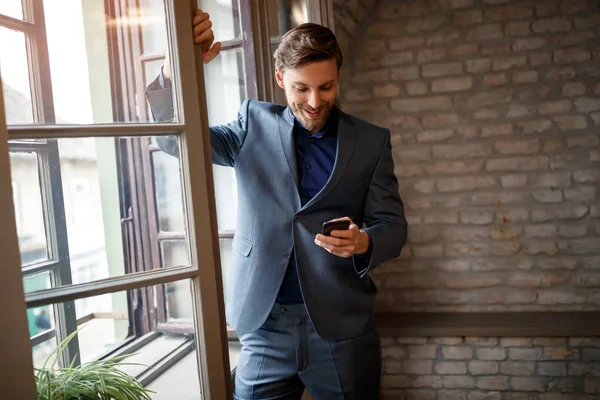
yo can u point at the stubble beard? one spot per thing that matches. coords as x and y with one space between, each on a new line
312 125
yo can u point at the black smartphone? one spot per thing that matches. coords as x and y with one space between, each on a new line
335 226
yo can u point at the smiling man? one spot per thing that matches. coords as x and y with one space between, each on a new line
301 301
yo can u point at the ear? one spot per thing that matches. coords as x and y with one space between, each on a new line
279 78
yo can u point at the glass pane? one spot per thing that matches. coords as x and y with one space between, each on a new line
40 319
174 253
113 324
286 14
107 328
102 242
154 30
96 65
225 16
225 86
29 213
15 77
151 71
11 8
225 90
169 200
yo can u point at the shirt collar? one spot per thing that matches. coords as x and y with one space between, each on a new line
330 128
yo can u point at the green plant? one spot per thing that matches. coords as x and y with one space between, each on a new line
95 380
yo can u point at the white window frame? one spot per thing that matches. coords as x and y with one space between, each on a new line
206 282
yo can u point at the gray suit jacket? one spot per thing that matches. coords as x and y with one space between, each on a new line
259 145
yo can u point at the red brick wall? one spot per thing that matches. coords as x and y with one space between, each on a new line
494 109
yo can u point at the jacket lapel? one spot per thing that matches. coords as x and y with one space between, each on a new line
286 137
345 147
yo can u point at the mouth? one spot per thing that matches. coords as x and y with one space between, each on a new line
313 115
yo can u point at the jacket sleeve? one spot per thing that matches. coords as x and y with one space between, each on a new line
384 213
225 140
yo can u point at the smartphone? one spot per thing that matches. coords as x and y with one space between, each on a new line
335 226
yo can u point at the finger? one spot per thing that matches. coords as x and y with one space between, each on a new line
205 39
346 233
212 53
200 17
337 250
202 28
333 241
341 219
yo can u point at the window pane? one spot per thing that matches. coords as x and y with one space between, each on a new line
225 86
96 66
99 177
154 30
174 252
12 8
169 200
225 90
225 16
40 319
286 14
114 329
15 77
151 70
29 213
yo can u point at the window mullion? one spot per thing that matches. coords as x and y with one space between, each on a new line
248 49
109 285
17 24
57 239
321 12
39 65
20 132
200 209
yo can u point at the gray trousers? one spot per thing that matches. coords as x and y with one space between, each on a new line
285 356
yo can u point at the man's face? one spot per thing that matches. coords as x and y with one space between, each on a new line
310 90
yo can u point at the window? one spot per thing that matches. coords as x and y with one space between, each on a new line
113 235
77 129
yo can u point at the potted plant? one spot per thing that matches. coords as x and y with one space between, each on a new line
95 380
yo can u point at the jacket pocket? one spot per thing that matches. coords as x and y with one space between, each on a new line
242 246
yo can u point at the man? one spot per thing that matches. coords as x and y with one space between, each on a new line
300 301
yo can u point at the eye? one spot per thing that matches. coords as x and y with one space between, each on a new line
301 89
327 88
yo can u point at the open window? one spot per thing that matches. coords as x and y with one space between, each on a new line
116 238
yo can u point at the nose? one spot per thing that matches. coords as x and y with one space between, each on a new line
314 100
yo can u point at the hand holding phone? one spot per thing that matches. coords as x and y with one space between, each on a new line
339 225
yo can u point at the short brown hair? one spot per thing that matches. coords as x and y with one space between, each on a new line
307 43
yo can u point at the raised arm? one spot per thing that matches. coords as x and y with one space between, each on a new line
159 92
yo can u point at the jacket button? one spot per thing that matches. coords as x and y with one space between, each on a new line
286 255
296 217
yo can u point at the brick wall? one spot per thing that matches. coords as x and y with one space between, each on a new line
489 368
494 112
494 109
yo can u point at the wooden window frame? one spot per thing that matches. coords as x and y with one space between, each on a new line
209 319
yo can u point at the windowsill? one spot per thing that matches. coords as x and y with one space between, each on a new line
579 323
180 381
